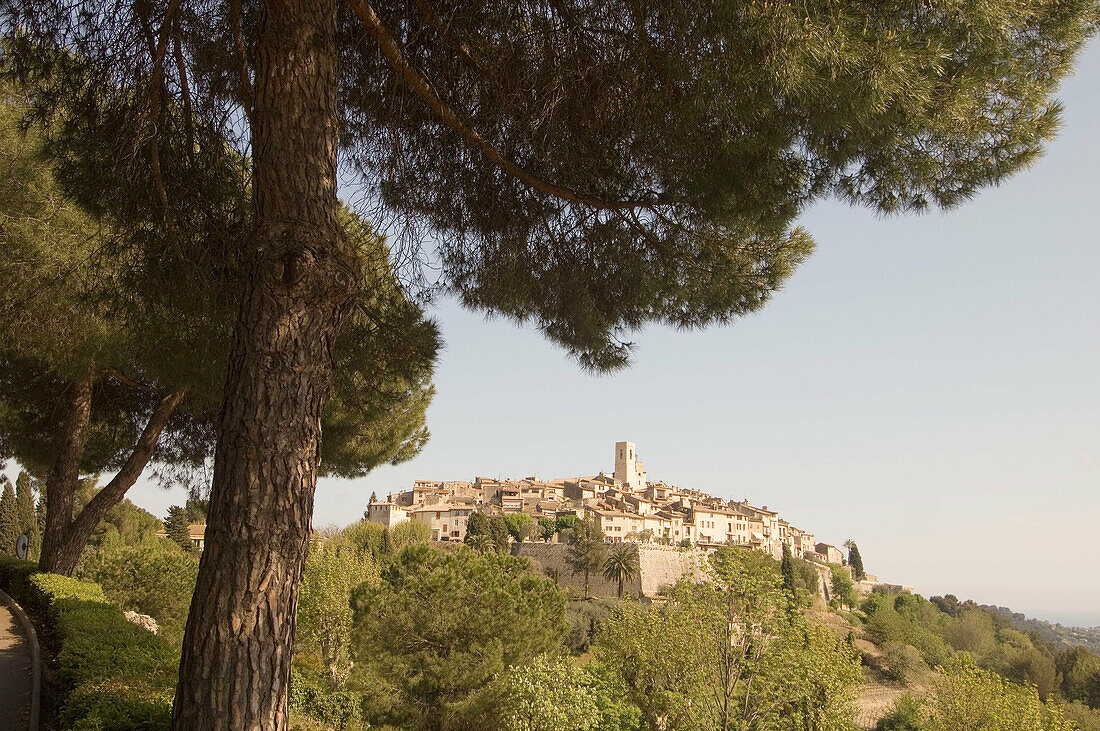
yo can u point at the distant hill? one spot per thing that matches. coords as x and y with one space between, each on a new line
1056 634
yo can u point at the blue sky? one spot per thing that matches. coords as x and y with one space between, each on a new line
925 385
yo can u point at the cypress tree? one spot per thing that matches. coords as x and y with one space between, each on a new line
385 546
477 524
175 525
9 520
24 504
787 568
856 562
498 531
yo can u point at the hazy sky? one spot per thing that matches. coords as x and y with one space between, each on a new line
929 386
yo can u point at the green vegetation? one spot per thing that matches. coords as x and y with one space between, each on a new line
966 697
855 560
730 654
154 577
9 519
439 627
111 674
333 570
587 548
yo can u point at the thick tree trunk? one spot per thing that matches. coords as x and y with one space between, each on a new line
69 545
235 667
62 481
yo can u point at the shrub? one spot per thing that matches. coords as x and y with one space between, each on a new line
312 696
906 714
902 662
111 674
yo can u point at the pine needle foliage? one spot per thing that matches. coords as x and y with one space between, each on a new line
588 167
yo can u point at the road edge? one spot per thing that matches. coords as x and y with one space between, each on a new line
36 657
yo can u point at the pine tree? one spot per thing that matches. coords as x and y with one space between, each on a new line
856 562
9 520
175 525
585 167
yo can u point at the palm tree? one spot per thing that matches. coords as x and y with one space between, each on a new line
622 564
481 542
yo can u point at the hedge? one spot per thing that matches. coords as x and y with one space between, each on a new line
111 674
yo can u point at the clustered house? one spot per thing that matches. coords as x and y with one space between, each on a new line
627 506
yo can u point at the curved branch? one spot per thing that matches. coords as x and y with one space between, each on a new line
420 86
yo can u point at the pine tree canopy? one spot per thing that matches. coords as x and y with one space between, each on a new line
96 271
585 166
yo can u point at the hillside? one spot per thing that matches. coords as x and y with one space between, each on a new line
1060 636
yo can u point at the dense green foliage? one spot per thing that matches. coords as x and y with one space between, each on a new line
9 519
110 673
175 525
154 577
729 654
439 627
332 571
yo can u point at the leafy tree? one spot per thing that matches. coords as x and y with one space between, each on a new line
1080 671
547 528
587 548
175 525
477 525
324 609
969 697
726 654
24 504
27 512
907 714
565 522
440 626
9 519
526 142
842 588
125 380
621 564
409 533
855 561
520 525
546 694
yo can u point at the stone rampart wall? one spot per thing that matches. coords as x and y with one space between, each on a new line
661 566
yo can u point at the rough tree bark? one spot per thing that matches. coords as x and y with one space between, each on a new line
68 544
302 280
62 480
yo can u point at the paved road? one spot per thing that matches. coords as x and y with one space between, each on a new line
15 673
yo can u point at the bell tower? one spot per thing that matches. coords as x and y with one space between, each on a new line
628 469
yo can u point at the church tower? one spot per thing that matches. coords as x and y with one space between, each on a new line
628 469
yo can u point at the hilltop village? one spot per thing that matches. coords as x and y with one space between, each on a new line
627 506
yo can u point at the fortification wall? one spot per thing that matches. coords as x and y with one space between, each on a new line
661 566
